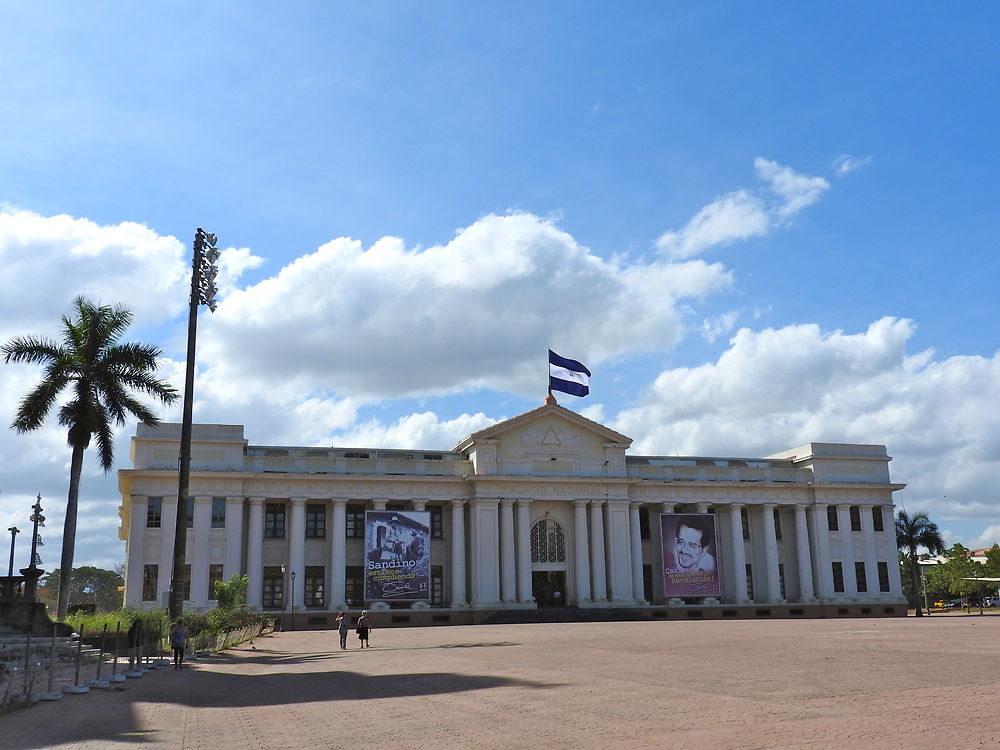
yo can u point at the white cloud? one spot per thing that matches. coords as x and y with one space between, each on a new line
845 164
391 320
742 214
774 389
712 328
420 430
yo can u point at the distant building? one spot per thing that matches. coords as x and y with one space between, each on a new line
546 508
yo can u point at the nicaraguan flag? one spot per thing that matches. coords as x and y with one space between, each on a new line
568 375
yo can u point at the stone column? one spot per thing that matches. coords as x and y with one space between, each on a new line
703 507
523 551
419 505
871 558
508 571
484 558
458 554
819 532
378 504
135 552
802 553
255 553
771 554
847 551
889 523
667 507
234 538
297 553
599 575
168 524
338 556
739 562
581 552
635 534
199 558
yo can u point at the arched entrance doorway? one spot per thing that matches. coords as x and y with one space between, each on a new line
548 563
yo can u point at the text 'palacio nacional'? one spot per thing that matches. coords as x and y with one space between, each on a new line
546 509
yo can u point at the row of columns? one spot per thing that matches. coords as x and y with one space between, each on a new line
604 530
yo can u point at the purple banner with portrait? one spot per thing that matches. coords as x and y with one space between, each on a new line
397 555
689 555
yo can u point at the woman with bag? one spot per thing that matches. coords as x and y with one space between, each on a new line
364 626
343 622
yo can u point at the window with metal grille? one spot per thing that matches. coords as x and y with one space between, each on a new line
437 584
355 521
214 577
274 521
354 585
154 512
781 579
832 521
218 512
777 525
859 576
878 520
548 542
838 577
749 581
189 513
274 588
315 580
745 523
644 523
437 522
150 575
315 522
186 584
855 518
883 576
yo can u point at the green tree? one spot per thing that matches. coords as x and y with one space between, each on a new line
912 533
101 375
992 567
94 587
232 594
957 569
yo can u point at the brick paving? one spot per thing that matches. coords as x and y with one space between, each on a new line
850 683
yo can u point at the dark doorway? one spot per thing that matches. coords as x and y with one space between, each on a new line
549 587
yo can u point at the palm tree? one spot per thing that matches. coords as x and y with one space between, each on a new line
100 373
912 532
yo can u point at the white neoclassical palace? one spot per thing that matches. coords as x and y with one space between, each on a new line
545 509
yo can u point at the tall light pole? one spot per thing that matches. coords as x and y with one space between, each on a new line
32 573
14 531
203 291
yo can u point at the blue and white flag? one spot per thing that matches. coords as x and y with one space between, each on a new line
568 375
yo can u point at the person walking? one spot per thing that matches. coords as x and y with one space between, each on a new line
343 623
364 627
178 641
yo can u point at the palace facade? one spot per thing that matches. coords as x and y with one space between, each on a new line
545 509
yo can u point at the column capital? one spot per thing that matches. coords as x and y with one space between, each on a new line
524 502
202 499
458 503
596 503
668 507
580 503
867 504
507 502
820 506
737 505
703 507
768 506
234 500
802 506
256 501
635 505
299 500
418 505
337 501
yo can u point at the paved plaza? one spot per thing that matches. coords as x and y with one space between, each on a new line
850 683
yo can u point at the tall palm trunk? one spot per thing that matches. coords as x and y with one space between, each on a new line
915 580
69 531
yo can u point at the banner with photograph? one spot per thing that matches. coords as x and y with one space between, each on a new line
397 555
689 555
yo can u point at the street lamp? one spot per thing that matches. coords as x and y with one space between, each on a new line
203 291
14 531
284 599
32 573
291 594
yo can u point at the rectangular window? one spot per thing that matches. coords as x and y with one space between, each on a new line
274 521
855 518
647 582
832 521
189 513
315 585
838 577
186 584
777 525
354 585
781 579
154 512
883 576
745 521
316 521
355 522
214 577
218 512
749 581
859 576
878 520
150 575
274 588
437 521
644 523
437 585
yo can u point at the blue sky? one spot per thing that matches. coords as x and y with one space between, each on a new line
759 224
